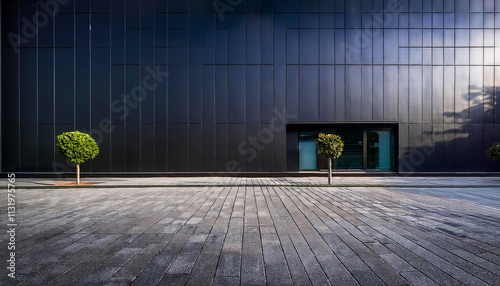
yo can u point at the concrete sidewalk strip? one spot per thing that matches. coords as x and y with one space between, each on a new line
257 231
341 181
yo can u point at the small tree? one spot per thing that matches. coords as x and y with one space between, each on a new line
330 146
77 147
494 152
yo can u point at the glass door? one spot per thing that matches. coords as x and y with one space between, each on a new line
352 156
308 153
379 150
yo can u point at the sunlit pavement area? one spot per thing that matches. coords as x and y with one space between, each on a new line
256 231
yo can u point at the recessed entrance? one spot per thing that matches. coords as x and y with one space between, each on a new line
364 149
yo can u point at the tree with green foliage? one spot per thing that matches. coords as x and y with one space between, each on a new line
494 152
77 147
330 146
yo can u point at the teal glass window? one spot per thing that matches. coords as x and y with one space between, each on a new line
379 150
308 153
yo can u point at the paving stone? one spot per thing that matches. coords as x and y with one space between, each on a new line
231 248
273 254
212 248
417 278
46 276
151 248
135 265
278 274
387 274
297 270
203 229
333 268
252 270
97 276
182 264
173 280
314 271
154 271
226 281
122 256
229 265
436 274
203 270
141 240
192 248
66 279
366 278
118 281
397 262
9 282
252 249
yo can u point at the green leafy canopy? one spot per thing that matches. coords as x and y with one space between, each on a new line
77 147
494 152
329 145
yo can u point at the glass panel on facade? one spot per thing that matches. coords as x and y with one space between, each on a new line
352 157
379 150
307 152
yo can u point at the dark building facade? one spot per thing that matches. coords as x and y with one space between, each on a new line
246 85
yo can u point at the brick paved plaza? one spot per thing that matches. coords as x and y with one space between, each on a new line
257 232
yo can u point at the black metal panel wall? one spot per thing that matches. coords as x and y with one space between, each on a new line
186 86
0 89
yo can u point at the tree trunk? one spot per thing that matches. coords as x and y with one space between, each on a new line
329 171
78 174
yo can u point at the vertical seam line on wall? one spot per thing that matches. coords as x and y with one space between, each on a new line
18 56
140 85
361 64
372 65
345 63
454 88
260 81
422 95
201 86
189 90
37 167
431 89
442 81
398 66
246 86
468 120
110 86
227 90
297 100
214 95
245 119
166 86
274 76
155 86
494 92
53 85
125 85
90 72
383 65
1 94
74 66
